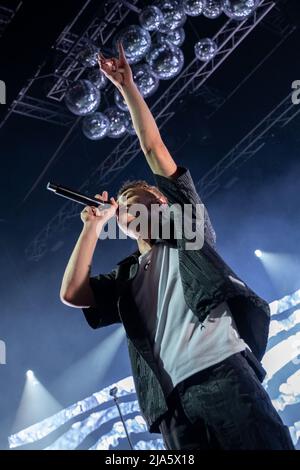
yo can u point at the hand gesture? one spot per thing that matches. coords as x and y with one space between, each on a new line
92 215
118 71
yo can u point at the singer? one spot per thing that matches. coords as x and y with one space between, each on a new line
196 332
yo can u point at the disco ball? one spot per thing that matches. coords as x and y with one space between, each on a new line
213 9
205 49
151 17
88 56
130 128
95 126
165 60
119 100
82 98
97 78
145 80
239 9
136 42
176 37
173 14
118 122
193 7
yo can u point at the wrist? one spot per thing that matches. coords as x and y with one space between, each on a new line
128 87
91 230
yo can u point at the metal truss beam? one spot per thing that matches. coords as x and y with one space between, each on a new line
211 96
100 30
42 110
220 102
191 78
68 69
277 22
247 148
6 16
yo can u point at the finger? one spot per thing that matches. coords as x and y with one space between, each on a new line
113 202
97 196
122 55
103 61
103 64
105 69
108 67
115 62
86 210
105 195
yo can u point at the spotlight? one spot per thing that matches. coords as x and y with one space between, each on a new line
258 253
29 374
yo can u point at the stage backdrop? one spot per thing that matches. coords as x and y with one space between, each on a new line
95 423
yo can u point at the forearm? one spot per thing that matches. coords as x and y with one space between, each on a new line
75 281
142 118
157 155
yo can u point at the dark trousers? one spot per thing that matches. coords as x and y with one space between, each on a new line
223 407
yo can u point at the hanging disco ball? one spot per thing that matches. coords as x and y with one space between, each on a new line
165 60
151 17
97 78
145 80
119 100
205 49
176 37
136 42
88 56
193 7
173 15
95 126
82 98
213 9
239 9
118 122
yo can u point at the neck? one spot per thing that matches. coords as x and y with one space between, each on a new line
144 245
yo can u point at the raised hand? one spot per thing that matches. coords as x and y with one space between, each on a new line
91 215
118 71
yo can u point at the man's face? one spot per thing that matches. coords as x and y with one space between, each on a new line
127 202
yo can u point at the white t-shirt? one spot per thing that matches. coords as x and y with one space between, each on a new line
181 345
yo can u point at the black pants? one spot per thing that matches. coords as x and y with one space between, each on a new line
223 407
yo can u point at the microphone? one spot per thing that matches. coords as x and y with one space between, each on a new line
77 197
113 392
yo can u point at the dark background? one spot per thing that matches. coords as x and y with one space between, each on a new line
259 211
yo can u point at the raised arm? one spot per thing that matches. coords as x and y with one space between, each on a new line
75 288
119 73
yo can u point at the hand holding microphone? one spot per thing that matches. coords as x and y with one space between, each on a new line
98 209
93 215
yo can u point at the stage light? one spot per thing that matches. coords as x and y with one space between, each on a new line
258 253
36 403
282 269
29 374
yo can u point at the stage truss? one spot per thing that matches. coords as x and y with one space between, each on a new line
191 80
